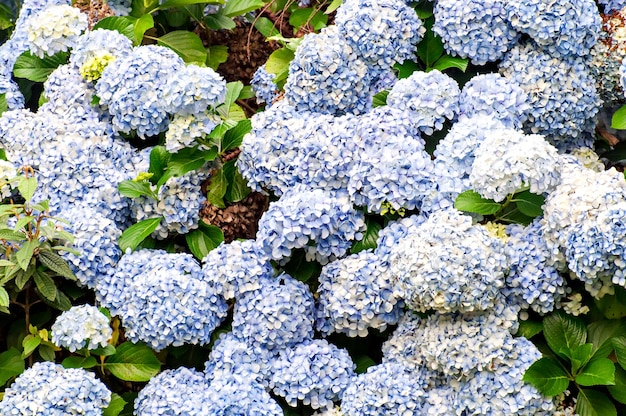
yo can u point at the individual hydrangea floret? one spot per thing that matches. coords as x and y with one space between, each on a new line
162 299
508 160
47 39
239 395
495 96
132 89
95 49
479 31
230 356
183 130
178 392
326 76
49 389
562 95
278 315
264 87
567 27
448 264
192 90
356 293
315 373
430 98
302 215
236 268
385 389
81 327
381 32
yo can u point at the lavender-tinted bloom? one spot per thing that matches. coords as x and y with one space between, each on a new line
495 96
81 327
356 293
313 372
49 389
193 89
264 87
47 39
277 315
430 98
476 30
326 76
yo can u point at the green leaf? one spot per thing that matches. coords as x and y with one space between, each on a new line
37 69
380 99
177 17
299 268
79 362
471 201
56 263
611 306
447 62
6 17
60 302
234 137
217 189
267 27
115 406
186 44
278 63
529 329
133 362
430 49
22 277
142 7
122 24
106 351
618 121
237 188
601 334
30 344
529 204
25 253
334 5
234 8
308 15
136 233
618 153
27 187
22 222
11 365
619 343
45 285
369 238
140 27
4 298
219 21
133 189
579 356
547 376
11 235
233 89
363 362
178 3
564 331
189 159
159 158
4 106
46 352
618 391
202 241
217 55
600 371
594 403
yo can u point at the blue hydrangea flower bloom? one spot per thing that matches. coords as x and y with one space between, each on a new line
278 315
237 395
448 264
508 160
132 89
562 94
236 268
385 389
381 32
193 89
46 39
495 96
98 43
14 98
531 281
81 327
313 372
264 87
49 389
389 236
162 299
183 130
326 76
612 5
430 98
120 7
173 392
230 356
569 27
302 215
479 31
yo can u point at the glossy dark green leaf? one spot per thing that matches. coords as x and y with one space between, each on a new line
308 15
266 27
219 21
601 334
142 7
529 328
11 365
529 204
600 371
56 263
217 189
45 285
564 331
217 55
619 343
618 390
133 362
369 238
136 233
234 8
38 69
75 361
133 189
203 240
380 99
186 44
430 49
61 301
594 403
106 351
547 376
234 137
471 201
618 121
447 62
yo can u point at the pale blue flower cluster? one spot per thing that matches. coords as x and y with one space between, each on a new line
479 31
278 315
192 90
356 293
567 27
493 95
429 97
120 7
612 5
46 39
132 87
264 87
381 32
49 389
238 395
302 216
314 372
562 95
97 44
389 236
81 327
183 130
162 299
448 264
236 268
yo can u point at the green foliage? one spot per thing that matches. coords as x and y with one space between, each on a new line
618 121
133 362
369 238
136 233
521 207
233 8
3 103
37 69
187 45
204 239
132 27
11 365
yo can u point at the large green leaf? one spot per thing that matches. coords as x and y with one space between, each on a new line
601 334
600 371
45 285
217 189
529 204
278 63
189 159
142 7
233 89
141 26
618 391
266 27
529 328
217 55
369 238
447 62
4 298
203 240
471 201
56 263
37 69
30 344
234 137
564 332
134 189
122 24
133 362
116 406
234 8
547 376
159 158
178 3
186 44
27 187
136 233
594 403
25 253
430 49
219 21
309 15
618 121
75 361
11 365
619 343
